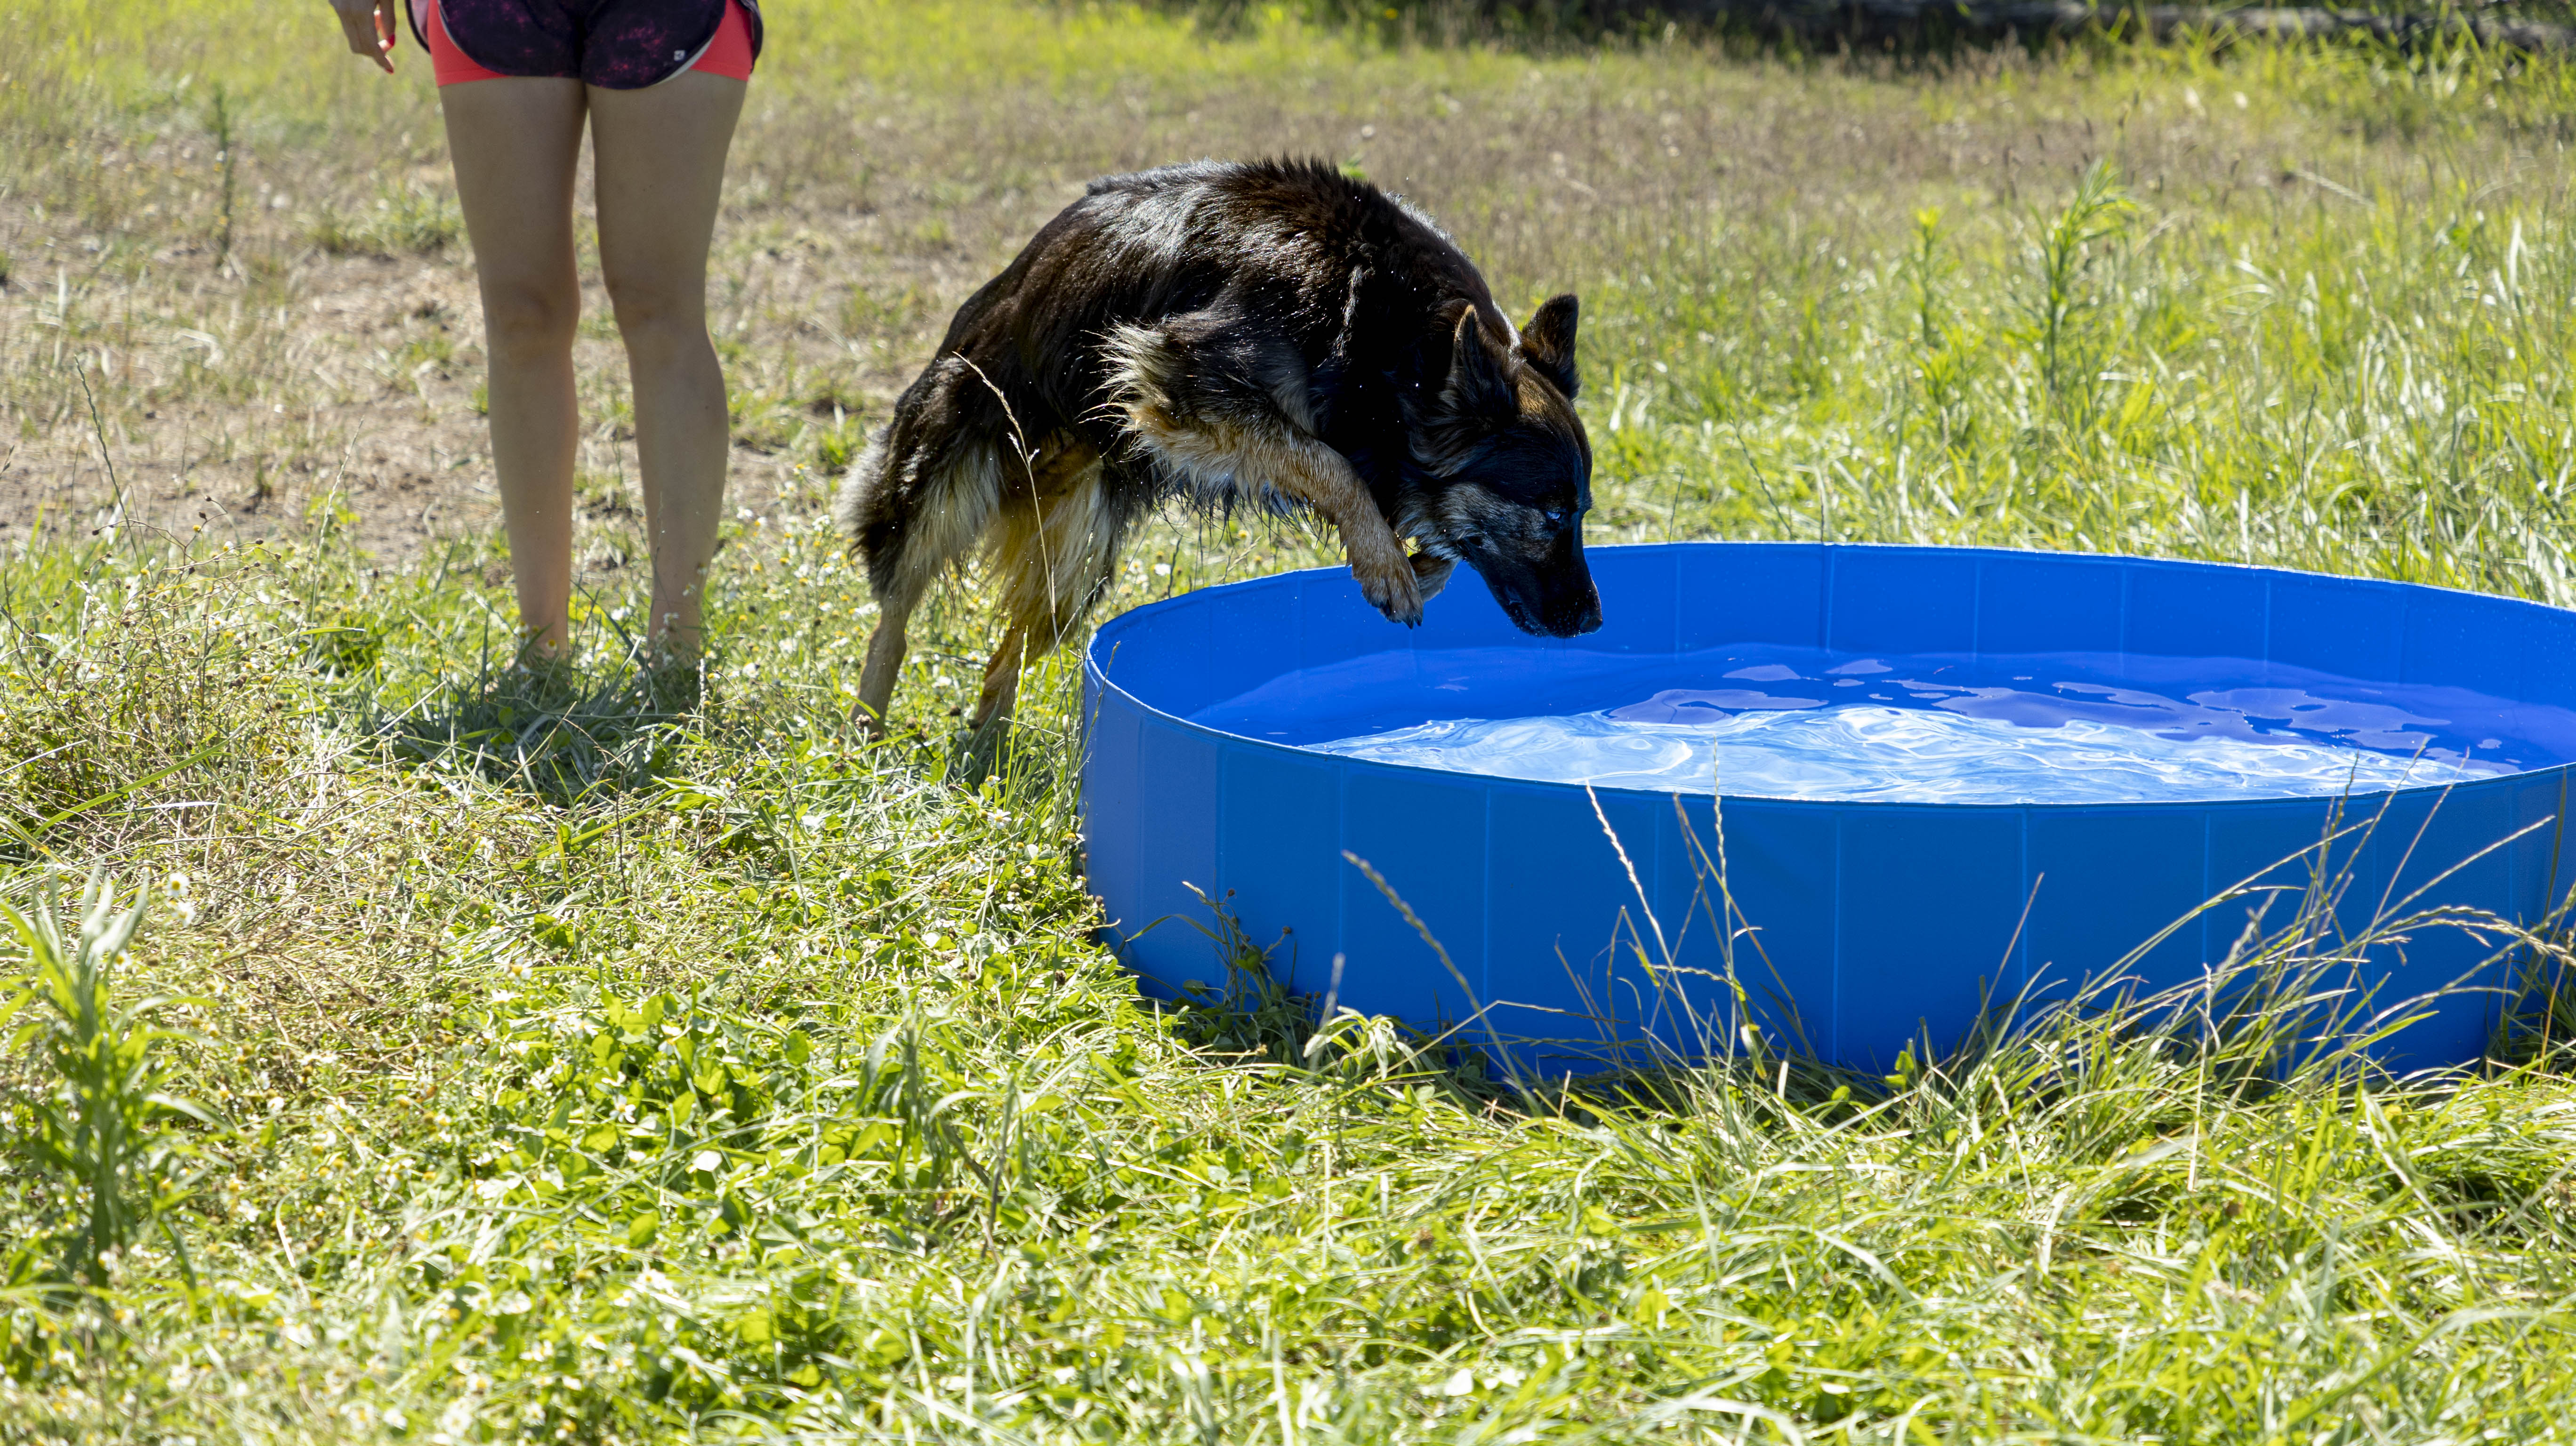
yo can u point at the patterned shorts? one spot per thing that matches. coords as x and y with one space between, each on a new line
612 44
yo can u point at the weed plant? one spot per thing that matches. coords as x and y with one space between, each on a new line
95 1131
591 1057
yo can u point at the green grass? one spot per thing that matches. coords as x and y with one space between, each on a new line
585 1060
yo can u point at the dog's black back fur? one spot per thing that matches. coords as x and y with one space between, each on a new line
1212 297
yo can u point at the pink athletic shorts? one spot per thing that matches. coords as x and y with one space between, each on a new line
613 44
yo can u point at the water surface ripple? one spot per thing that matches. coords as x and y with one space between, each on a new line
1805 724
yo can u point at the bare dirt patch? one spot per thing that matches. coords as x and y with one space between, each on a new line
327 365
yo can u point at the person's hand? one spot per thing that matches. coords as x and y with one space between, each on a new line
371 26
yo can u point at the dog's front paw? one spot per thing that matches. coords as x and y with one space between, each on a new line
1431 574
1389 584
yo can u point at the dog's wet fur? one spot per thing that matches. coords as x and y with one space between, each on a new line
1270 335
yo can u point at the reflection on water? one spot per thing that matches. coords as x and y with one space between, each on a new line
1875 753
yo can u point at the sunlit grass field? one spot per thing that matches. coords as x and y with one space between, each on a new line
550 1058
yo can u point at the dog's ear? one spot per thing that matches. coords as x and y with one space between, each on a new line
1548 342
1480 382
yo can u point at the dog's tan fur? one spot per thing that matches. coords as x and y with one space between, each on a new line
1251 460
1042 537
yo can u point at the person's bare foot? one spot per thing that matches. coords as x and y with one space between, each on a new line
677 629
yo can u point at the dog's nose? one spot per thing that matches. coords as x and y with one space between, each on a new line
1575 621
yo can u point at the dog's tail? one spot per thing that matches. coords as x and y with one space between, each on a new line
919 498
865 477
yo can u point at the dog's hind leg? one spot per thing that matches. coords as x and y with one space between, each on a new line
886 648
1001 691
1052 550
918 501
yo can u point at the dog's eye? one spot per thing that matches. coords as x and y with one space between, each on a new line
1558 516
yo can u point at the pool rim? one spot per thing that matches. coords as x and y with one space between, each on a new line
1096 674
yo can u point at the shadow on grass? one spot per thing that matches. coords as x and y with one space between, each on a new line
569 735
1252 1016
1021 759
550 730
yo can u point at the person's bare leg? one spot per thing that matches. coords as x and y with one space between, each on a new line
660 155
516 143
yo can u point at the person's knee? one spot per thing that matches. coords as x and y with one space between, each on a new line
655 315
529 318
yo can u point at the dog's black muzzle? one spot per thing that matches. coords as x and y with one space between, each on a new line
1551 593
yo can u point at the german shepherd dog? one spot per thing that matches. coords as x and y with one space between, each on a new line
1268 335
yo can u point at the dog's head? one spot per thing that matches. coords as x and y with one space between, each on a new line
1502 472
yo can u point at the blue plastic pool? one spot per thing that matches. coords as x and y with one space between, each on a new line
1879 922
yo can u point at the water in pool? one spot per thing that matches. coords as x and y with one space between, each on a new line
1802 723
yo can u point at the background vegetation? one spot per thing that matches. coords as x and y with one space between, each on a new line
503 1057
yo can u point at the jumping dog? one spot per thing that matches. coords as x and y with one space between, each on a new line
1270 336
